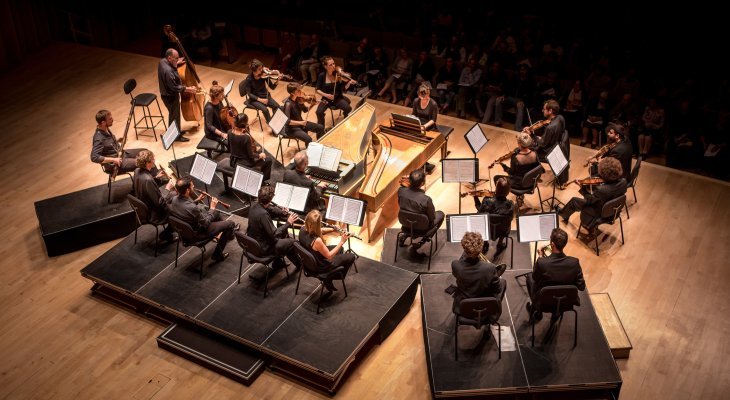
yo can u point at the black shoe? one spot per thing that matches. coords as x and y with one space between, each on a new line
501 268
417 245
429 168
559 210
182 139
402 241
329 286
219 257
237 227
502 244
485 248
169 237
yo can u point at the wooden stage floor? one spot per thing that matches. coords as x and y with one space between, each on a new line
668 282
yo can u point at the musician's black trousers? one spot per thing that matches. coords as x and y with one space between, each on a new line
301 134
173 107
214 229
264 108
339 103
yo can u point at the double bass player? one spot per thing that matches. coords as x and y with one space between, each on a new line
171 87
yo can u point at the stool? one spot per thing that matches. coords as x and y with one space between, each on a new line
144 100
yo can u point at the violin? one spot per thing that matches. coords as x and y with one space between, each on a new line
504 158
539 124
306 99
590 181
276 75
342 76
601 152
479 193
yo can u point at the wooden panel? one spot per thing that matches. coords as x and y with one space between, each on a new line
617 338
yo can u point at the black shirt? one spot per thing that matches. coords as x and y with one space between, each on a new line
416 201
168 79
306 240
213 120
103 145
256 88
261 228
430 113
294 110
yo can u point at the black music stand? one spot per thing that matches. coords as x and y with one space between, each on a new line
557 162
203 169
533 228
168 141
460 170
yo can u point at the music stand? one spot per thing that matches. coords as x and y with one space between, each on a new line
458 224
476 138
461 170
291 196
348 210
203 169
168 140
247 181
533 228
557 162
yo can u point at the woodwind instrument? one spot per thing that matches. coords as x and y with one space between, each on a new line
325 224
120 153
226 205
601 152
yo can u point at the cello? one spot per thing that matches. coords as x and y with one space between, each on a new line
191 104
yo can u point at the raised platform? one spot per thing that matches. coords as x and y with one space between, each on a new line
417 260
85 218
554 369
618 339
318 350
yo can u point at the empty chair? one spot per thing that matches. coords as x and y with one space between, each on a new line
416 226
210 145
557 300
476 312
254 255
609 213
309 269
188 237
143 217
144 100
529 183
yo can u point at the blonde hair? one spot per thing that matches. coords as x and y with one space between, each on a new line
524 139
313 223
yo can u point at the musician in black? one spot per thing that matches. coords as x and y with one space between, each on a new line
522 161
620 149
414 199
328 257
425 108
105 147
244 150
609 169
146 187
213 124
331 88
297 127
475 277
552 132
298 177
206 223
555 269
171 86
273 240
499 205
255 86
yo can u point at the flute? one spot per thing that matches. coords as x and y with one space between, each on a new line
226 205
325 224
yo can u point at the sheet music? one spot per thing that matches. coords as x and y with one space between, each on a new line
282 194
460 224
330 158
456 170
227 89
278 121
247 181
536 227
314 153
170 135
298 199
557 160
344 209
203 169
476 139
466 171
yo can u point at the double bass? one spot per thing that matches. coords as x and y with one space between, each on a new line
191 104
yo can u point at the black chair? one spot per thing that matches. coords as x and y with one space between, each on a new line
188 237
557 300
529 182
416 226
632 179
210 145
143 217
144 100
309 269
609 213
109 181
500 227
254 255
280 149
477 312
244 94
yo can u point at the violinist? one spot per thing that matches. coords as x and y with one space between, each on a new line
590 206
522 161
244 150
500 205
212 116
295 104
255 86
620 149
171 86
552 131
331 85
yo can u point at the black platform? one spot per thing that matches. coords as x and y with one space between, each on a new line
317 349
549 370
417 261
85 218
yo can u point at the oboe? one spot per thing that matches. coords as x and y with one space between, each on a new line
226 205
325 224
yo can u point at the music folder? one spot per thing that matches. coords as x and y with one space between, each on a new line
247 180
203 169
460 170
169 137
346 209
556 159
459 224
476 138
536 227
321 156
291 196
278 121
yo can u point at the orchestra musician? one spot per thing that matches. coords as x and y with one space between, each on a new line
476 277
552 135
171 86
415 200
255 86
522 161
105 147
212 116
206 223
272 240
328 257
294 105
427 110
146 188
245 150
619 148
609 169
555 269
298 177
497 204
331 90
